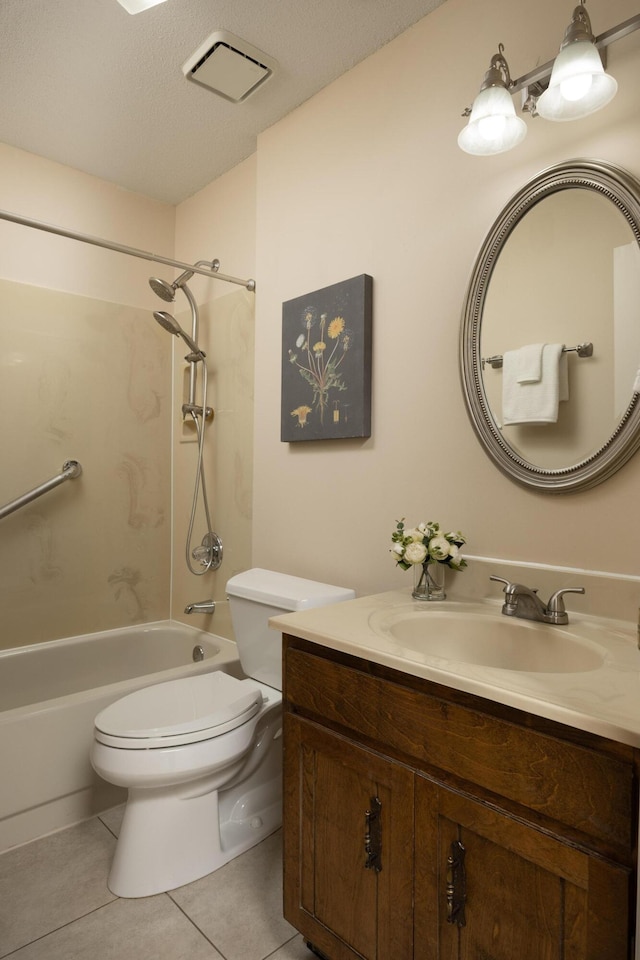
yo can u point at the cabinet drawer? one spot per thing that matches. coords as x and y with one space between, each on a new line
588 790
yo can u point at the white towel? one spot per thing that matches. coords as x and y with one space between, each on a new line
535 402
528 363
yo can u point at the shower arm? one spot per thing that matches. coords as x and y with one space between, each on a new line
121 248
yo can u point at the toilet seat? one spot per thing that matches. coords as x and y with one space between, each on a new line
179 712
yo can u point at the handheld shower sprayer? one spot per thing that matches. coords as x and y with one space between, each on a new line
171 324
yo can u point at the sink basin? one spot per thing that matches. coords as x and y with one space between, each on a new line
489 640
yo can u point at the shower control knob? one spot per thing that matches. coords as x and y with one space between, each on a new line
209 553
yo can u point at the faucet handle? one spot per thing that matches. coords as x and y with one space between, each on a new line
507 583
556 608
511 587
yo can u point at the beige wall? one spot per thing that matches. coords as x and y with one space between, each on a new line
50 192
367 177
364 178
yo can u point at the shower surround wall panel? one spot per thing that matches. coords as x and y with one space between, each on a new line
87 380
226 334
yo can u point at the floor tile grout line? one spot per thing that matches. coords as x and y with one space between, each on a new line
194 924
62 926
107 828
283 944
113 898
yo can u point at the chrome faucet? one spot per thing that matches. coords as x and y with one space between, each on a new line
203 606
520 601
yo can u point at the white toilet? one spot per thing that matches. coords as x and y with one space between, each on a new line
201 756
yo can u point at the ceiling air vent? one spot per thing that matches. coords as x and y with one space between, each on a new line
229 66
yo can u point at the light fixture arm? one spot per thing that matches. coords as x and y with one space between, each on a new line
542 73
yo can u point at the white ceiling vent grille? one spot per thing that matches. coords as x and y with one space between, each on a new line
229 66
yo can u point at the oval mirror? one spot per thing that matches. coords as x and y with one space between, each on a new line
550 338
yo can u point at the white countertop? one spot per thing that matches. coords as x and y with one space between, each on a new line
604 700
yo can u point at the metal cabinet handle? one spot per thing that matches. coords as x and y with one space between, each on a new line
373 836
456 884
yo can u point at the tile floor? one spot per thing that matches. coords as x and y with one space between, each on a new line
55 905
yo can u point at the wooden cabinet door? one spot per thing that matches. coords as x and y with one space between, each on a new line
347 876
529 895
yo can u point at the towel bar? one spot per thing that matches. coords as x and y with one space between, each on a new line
583 350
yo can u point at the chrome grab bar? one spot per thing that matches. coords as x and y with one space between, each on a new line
70 470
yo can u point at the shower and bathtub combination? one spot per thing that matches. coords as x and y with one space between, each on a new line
50 692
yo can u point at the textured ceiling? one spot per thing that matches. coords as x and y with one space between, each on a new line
88 85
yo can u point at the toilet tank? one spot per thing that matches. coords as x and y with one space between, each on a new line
254 597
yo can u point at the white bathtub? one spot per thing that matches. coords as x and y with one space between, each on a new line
49 696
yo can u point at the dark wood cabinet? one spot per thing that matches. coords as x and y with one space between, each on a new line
421 822
524 893
353 888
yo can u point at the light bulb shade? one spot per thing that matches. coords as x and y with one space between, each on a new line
137 6
578 85
493 126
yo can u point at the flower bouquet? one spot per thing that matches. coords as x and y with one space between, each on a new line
428 550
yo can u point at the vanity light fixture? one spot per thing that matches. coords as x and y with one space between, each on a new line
572 86
493 125
137 6
578 85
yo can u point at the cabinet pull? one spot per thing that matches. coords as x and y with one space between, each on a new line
456 885
373 836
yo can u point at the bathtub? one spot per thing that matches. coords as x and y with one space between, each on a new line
49 695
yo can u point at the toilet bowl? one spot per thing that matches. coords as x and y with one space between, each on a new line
201 756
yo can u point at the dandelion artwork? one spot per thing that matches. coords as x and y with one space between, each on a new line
326 363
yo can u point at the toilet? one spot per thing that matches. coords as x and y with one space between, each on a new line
201 756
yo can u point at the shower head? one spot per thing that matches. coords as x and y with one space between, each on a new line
167 291
162 289
171 324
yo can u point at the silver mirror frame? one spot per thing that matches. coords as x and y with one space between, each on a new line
622 189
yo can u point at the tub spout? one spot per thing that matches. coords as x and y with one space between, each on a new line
203 606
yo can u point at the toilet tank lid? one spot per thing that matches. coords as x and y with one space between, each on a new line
285 591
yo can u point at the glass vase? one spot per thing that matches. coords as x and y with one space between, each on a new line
428 581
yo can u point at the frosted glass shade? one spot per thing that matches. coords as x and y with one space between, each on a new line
493 125
137 6
578 85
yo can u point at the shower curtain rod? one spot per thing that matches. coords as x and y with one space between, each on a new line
120 248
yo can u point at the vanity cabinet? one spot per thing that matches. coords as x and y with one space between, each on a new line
422 822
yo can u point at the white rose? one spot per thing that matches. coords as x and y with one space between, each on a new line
398 549
414 534
415 552
453 551
455 535
439 548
